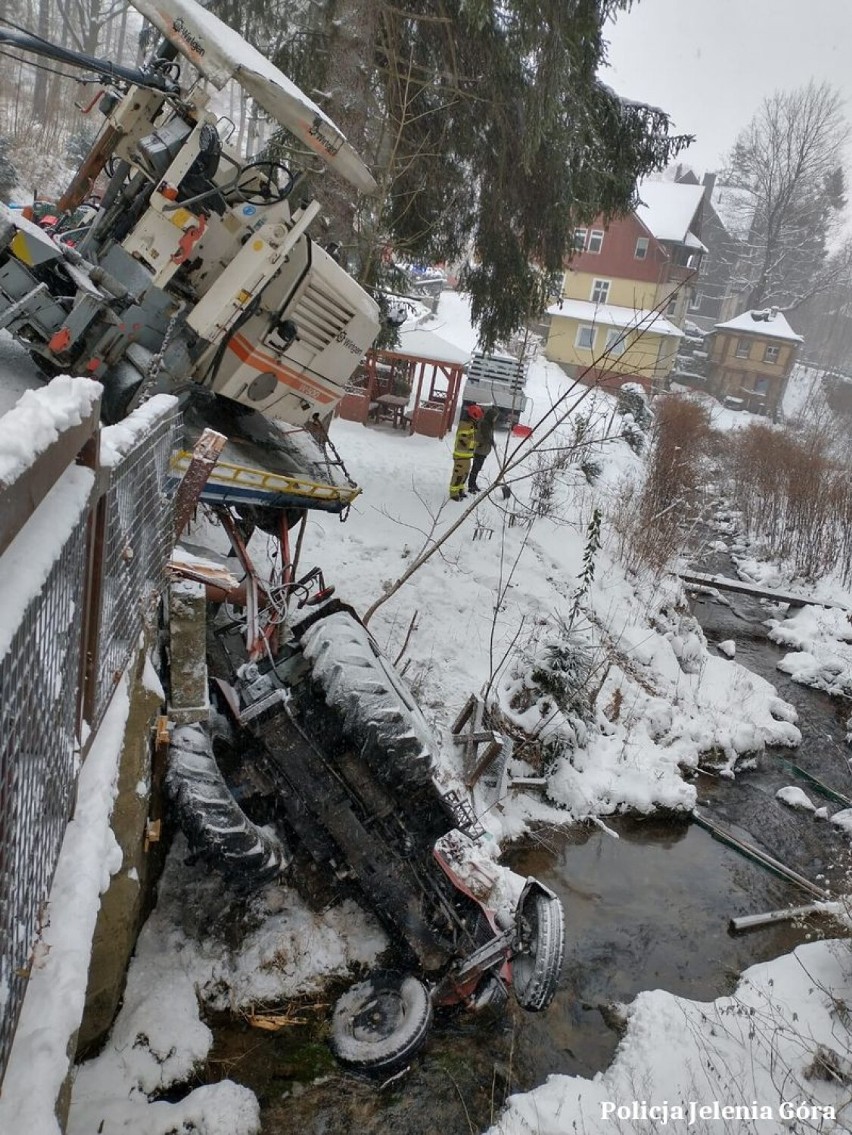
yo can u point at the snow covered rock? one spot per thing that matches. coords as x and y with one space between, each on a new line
728 648
843 820
795 798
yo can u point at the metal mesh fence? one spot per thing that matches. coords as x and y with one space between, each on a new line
40 695
138 540
39 679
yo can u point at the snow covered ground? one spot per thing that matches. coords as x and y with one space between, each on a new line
485 610
772 1058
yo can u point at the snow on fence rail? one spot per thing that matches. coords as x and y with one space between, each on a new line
83 549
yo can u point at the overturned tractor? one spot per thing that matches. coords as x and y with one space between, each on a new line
344 765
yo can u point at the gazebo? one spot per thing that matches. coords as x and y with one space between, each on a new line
415 385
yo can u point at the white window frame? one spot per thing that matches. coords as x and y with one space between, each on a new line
580 244
776 351
695 301
616 341
595 236
585 346
644 243
743 348
600 291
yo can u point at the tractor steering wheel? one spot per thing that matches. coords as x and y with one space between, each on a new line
273 192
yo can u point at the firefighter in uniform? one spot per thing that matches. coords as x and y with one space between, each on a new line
463 450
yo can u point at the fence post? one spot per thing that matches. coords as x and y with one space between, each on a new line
92 592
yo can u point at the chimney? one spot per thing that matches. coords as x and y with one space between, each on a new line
709 182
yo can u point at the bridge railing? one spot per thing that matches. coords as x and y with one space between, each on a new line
86 528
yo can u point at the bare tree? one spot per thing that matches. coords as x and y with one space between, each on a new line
787 165
87 21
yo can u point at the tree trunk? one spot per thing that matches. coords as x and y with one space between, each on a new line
354 25
92 29
122 35
41 77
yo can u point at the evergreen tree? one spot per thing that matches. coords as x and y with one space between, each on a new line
487 129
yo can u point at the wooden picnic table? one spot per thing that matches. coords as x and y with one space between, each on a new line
393 406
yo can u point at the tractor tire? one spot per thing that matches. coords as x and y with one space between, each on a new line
217 828
536 968
379 1024
374 712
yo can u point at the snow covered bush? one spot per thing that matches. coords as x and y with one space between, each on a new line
636 415
548 698
633 400
591 469
684 634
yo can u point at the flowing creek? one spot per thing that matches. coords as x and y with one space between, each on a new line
647 910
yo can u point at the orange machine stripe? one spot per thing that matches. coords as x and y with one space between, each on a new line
249 354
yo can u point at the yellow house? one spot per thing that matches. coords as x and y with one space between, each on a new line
610 344
750 360
627 288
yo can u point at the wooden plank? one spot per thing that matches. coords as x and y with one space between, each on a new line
467 710
814 782
205 454
756 921
502 786
476 727
762 857
20 498
723 583
483 762
521 783
830 793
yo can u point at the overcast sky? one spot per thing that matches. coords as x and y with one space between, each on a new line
710 63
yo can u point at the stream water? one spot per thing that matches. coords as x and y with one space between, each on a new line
647 907
748 803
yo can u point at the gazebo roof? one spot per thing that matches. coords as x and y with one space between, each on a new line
420 344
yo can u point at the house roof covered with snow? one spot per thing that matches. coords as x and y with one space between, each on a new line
610 315
735 209
668 208
765 322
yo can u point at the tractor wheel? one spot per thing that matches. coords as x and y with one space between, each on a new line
217 828
379 1024
375 713
537 965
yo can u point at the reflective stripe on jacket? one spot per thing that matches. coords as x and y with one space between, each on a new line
465 442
